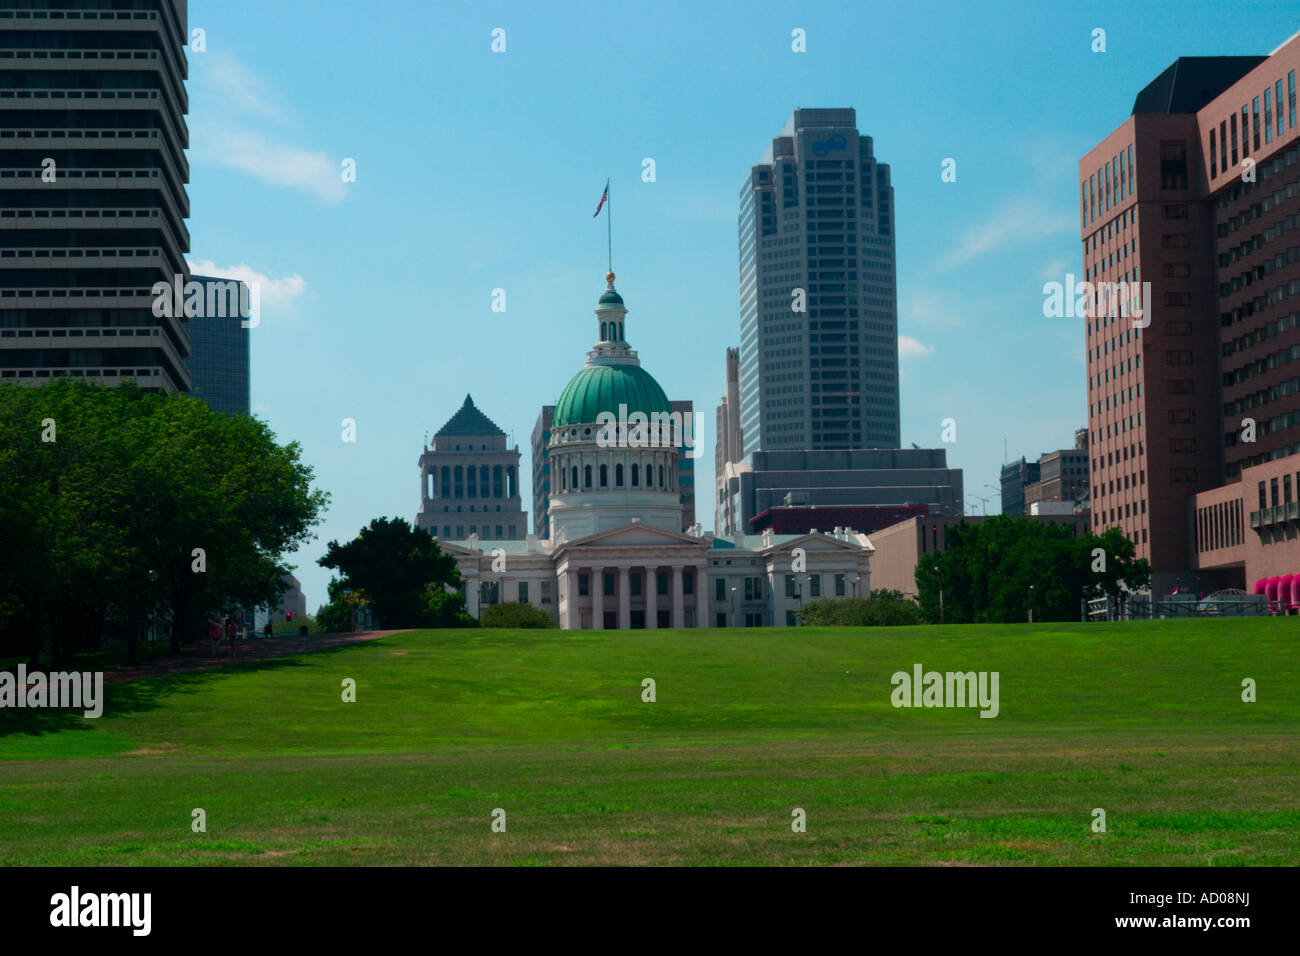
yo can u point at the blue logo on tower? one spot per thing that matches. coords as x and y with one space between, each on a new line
824 146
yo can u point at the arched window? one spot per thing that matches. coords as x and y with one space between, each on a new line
649 476
602 331
618 475
575 477
586 477
636 475
604 476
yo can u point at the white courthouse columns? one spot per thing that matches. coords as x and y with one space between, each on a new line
679 606
700 574
598 598
573 610
624 598
651 596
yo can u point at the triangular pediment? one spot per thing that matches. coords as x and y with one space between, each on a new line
824 542
636 534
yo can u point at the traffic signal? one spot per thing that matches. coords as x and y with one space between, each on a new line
288 615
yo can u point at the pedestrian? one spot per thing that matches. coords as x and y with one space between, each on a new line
230 633
214 636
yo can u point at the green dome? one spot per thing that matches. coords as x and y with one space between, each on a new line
602 388
610 300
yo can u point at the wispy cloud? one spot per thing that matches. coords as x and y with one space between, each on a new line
931 308
909 347
274 292
1021 220
239 121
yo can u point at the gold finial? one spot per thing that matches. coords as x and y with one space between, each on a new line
609 277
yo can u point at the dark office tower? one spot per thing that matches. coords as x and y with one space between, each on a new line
542 472
1194 409
818 312
92 190
219 341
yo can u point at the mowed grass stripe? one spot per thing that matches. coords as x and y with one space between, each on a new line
1144 720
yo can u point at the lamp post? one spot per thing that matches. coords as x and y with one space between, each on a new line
733 607
856 579
984 502
1031 604
940 575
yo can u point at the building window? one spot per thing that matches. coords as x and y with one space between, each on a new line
839 585
789 585
523 592
719 589
1173 164
604 476
1268 116
661 582
609 582
586 476
688 582
634 582
815 585
618 476
636 476
546 591
584 585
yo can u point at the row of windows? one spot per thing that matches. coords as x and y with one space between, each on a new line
474 529
1107 187
569 478
1225 144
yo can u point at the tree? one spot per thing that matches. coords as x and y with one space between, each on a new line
105 493
393 563
999 569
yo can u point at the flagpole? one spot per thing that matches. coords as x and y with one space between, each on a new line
609 225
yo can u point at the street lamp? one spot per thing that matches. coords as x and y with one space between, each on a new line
1031 604
940 575
733 607
856 579
984 501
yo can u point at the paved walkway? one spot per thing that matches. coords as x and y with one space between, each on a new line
198 657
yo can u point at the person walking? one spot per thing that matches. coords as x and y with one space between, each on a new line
214 636
231 634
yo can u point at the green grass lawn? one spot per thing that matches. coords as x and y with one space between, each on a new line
1144 720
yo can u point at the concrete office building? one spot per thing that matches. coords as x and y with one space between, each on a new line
92 191
219 347
469 480
727 440
1015 478
818 313
786 490
1061 476
1197 194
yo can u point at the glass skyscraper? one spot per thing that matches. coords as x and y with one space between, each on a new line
818 306
219 346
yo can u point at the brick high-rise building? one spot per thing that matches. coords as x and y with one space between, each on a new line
1198 194
92 190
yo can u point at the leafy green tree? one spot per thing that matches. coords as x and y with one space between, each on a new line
998 569
516 615
393 563
105 493
443 608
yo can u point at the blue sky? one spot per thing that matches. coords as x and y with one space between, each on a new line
479 170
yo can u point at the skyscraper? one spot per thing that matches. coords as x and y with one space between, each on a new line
1194 406
818 311
219 346
92 196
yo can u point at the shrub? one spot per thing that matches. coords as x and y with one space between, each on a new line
856 612
515 615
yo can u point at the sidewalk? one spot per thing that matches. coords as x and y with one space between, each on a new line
198 656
